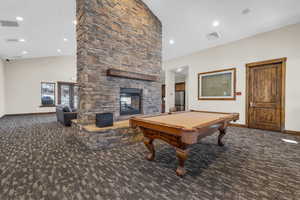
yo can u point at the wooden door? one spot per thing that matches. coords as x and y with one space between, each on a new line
265 92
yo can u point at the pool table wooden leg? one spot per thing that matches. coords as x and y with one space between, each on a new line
221 135
182 155
149 144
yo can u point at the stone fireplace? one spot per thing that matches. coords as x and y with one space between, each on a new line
119 47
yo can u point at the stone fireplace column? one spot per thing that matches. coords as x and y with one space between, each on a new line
120 35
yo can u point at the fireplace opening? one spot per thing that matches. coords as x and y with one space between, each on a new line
130 101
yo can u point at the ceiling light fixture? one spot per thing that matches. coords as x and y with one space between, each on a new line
22 40
20 19
172 42
179 70
59 50
66 40
290 141
24 52
216 23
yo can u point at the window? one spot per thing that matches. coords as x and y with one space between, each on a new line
48 94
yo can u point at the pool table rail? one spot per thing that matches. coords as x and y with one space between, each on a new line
176 129
163 127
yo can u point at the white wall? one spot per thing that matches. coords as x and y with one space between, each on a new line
23 81
284 42
2 88
170 90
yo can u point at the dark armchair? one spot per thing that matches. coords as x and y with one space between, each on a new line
64 115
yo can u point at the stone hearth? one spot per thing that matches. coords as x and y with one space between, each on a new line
96 138
114 37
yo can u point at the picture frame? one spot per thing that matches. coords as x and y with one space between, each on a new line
217 85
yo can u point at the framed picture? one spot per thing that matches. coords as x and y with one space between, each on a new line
217 85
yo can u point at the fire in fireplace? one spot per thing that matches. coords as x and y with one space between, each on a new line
130 101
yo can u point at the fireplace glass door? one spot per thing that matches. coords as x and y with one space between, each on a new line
130 101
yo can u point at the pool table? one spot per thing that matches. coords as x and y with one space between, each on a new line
182 129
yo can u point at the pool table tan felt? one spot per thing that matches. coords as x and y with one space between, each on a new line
181 129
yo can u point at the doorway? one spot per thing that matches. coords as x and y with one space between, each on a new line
67 94
180 96
265 107
163 98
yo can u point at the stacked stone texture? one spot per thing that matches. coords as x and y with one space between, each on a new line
106 139
122 35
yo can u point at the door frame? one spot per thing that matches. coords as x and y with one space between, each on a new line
179 89
59 89
283 79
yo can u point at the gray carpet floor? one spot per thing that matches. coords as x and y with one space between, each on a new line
40 160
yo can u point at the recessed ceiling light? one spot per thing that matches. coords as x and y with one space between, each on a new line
59 50
20 19
290 141
24 52
22 40
179 70
246 11
75 22
216 23
172 42
66 40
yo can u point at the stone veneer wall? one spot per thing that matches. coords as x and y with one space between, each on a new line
121 35
110 138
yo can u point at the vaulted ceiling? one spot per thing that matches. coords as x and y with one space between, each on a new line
186 24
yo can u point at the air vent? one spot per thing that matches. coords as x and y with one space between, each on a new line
11 58
246 11
5 23
213 36
12 40
16 57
